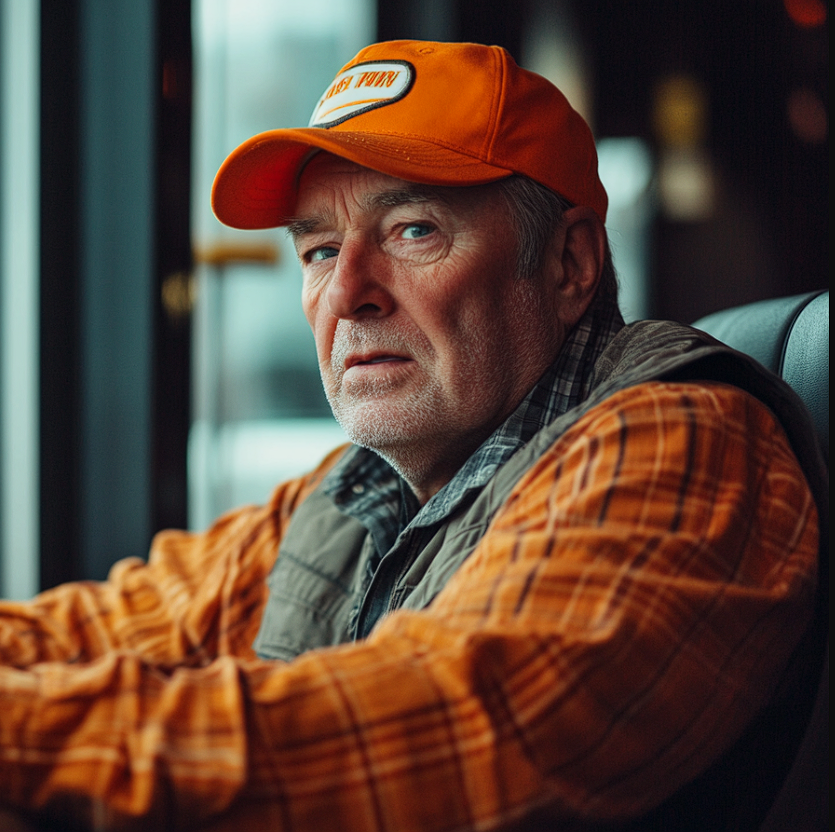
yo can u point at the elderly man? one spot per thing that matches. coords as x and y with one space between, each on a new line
555 581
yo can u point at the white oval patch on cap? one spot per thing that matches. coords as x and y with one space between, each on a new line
361 88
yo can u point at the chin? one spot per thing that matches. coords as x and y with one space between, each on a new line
385 419
383 433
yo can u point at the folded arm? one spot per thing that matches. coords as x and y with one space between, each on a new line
629 611
198 595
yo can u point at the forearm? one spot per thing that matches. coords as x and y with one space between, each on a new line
161 609
617 628
199 595
426 726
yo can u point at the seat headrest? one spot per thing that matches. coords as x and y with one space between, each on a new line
790 336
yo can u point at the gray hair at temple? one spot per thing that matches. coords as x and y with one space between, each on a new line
536 211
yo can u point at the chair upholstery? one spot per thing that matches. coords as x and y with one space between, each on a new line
790 336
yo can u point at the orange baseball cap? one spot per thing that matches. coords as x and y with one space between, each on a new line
437 113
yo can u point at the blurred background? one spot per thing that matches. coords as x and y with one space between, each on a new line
155 368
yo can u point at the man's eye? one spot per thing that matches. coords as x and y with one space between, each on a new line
323 253
416 230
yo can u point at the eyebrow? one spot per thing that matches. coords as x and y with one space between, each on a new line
297 228
403 196
410 195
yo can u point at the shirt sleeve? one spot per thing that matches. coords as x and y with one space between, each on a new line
198 595
630 609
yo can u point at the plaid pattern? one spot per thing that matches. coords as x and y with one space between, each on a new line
630 609
366 487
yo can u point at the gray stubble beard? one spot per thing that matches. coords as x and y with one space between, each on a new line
393 437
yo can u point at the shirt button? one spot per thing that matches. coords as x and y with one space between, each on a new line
358 488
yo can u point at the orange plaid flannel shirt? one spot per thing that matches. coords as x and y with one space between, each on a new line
630 609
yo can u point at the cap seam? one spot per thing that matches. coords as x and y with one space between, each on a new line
497 104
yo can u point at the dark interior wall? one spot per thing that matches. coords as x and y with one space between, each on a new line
60 451
173 288
115 245
480 21
768 233
97 255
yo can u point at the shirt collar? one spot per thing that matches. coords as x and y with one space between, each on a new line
366 487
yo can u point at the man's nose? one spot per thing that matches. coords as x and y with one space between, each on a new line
359 284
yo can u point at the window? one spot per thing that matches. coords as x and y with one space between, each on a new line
19 101
260 415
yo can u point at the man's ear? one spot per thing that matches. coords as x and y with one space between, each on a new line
580 248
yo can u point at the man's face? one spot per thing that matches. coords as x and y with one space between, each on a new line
425 337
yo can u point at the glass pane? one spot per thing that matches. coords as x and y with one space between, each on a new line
19 127
260 413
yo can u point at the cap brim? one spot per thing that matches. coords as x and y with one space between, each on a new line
257 185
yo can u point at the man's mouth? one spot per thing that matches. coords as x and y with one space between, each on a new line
382 359
367 360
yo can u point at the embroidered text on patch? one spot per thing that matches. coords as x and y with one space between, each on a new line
361 88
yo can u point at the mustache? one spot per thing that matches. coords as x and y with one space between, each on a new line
374 335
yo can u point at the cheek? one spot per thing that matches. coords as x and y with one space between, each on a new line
442 299
312 309
469 314
310 306
323 333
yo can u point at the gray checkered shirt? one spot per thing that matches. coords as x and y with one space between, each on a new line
366 487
